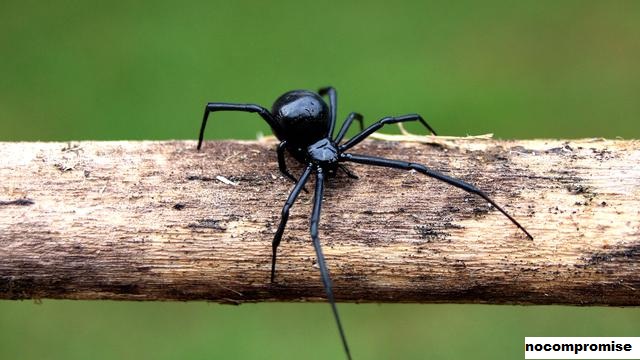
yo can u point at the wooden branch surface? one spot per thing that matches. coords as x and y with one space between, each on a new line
158 220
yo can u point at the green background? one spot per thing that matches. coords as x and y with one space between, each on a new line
77 70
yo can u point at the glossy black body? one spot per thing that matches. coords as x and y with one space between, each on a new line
304 124
302 117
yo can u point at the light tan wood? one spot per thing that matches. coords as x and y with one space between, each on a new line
158 220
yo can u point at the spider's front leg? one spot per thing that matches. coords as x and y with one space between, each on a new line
324 272
379 124
397 164
281 162
283 165
252 108
285 216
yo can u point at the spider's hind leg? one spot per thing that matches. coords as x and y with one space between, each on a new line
377 161
379 124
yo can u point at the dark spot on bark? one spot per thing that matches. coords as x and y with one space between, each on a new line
21 202
585 191
556 210
431 232
560 150
602 154
577 189
251 178
200 178
16 288
555 150
628 254
63 167
522 149
479 211
179 206
207 224
71 147
448 225
451 209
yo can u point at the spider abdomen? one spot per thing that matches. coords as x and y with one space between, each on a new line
303 117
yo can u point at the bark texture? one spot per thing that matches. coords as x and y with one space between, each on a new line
158 220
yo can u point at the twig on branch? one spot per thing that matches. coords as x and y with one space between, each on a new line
154 220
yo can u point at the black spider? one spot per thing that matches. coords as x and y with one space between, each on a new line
304 124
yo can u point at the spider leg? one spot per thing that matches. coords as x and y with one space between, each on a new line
348 172
324 272
377 161
333 104
283 165
379 124
347 124
252 108
285 216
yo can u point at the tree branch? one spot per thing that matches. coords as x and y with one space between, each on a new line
160 220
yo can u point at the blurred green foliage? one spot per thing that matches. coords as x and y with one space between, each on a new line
75 70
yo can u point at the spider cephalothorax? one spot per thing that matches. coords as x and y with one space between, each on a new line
304 124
